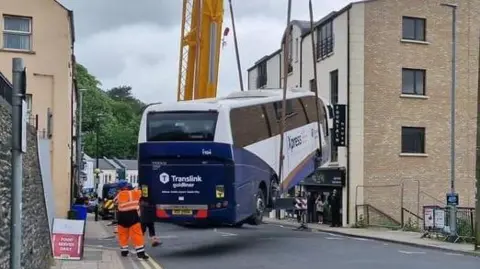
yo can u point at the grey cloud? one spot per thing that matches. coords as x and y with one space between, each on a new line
104 15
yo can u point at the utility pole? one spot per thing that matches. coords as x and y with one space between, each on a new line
453 207
18 148
477 174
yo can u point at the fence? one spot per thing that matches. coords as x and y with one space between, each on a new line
384 205
437 221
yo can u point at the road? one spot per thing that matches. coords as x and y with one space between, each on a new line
277 247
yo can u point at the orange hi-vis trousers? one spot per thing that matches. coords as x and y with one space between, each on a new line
134 233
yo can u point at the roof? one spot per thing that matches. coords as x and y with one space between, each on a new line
235 99
305 28
264 58
104 165
129 164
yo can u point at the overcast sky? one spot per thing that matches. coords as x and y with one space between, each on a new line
136 43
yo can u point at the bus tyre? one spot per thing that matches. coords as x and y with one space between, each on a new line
257 218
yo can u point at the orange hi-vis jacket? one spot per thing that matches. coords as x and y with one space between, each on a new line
128 200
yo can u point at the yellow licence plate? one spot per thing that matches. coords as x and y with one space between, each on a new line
182 212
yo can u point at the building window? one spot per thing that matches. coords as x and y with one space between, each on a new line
262 75
334 149
413 140
325 42
413 28
17 33
413 81
334 87
296 49
313 85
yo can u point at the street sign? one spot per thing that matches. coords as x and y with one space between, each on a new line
67 239
452 199
339 125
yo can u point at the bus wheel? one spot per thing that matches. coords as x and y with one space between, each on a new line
257 218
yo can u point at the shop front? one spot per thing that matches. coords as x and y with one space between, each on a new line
320 186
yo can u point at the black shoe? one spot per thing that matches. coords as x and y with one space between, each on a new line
142 255
156 244
125 253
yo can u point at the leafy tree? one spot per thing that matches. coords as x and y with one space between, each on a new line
114 115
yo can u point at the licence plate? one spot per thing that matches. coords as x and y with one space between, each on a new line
182 212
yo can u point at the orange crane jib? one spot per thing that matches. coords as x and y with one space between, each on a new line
200 45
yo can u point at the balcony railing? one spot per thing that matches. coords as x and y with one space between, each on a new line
324 47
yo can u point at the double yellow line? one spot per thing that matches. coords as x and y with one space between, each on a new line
150 264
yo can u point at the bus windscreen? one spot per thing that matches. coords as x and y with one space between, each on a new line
181 126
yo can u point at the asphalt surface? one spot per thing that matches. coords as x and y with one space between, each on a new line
276 247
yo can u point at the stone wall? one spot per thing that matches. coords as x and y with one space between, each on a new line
36 247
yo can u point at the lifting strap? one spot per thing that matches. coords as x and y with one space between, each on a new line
315 76
286 59
286 62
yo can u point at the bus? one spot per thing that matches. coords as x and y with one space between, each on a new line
216 160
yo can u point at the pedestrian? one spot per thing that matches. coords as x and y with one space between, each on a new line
320 203
147 218
335 205
128 221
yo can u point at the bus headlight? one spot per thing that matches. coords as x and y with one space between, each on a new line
220 191
144 190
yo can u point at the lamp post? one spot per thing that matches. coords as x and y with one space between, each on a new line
97 152
78 154
453 206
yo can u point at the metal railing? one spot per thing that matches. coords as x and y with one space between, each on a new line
324 47
438 219
6 88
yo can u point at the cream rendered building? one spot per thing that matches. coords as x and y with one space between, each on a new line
389 61
41 32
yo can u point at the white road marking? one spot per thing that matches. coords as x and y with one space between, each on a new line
168 236
335 235
334 238
360 239
453 254
411 252
224 233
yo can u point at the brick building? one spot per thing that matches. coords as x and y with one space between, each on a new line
389 61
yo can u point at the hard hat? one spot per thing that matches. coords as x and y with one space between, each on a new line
122 185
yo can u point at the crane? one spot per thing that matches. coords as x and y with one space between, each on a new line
200 45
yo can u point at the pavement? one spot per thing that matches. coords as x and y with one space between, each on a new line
387 235
273 245
101 251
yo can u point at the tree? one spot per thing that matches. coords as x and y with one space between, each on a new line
114 114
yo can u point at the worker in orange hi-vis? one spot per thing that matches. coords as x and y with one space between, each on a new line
129 226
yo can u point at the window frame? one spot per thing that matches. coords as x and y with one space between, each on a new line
406 135
415 20
334 87
325 40
262 75
415 71
17 33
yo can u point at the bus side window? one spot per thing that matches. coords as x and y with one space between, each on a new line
297 116
278 109
272 119
249 125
